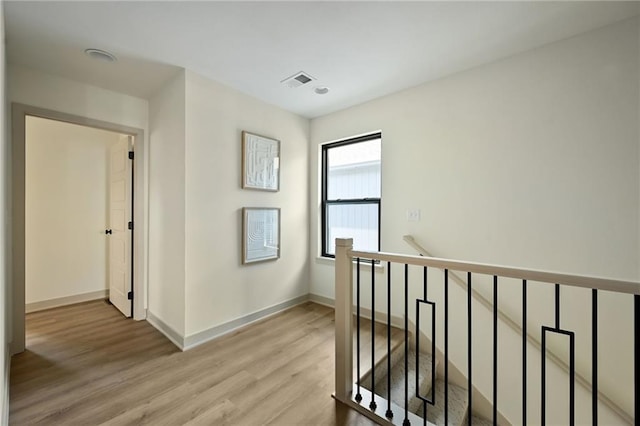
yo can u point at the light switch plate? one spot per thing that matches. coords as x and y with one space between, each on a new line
413 215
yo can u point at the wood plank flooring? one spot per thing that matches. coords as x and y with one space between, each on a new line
85 364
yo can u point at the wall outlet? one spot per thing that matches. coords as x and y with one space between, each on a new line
413 215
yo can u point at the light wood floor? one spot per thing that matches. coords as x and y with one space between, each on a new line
86 365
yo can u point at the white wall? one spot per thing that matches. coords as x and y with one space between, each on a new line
167 205
531 161
43 90
198 286
66 209
219 288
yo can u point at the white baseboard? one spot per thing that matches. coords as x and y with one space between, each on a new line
68 300
206 335
396 321
189 342
321 300
4 410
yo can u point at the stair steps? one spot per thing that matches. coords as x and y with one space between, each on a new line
397 339
458 406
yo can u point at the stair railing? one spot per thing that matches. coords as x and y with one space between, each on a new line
384 411
506 319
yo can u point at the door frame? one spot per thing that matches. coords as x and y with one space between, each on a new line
19 112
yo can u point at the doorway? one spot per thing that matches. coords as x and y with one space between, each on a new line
77 205
133 273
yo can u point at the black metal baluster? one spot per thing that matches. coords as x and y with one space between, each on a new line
557 306
572 370
389 413
571 335
636 357
406 421
372 404
544 353
469 386
572 380
524 352
543 380
424 283
419 302
424 297
495 349
594 356
417 352
571 361
358 394
446 346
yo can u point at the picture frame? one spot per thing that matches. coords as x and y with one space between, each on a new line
260 234
260 162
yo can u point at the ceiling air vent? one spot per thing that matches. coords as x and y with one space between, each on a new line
297 80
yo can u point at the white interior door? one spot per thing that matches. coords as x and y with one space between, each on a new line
120 172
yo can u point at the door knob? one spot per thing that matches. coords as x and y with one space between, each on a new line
108 231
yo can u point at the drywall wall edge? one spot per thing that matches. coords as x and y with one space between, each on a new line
166 329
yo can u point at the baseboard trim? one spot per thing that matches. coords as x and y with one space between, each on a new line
322 300
4 410
166 329
381 317
64 301
204 336
197 339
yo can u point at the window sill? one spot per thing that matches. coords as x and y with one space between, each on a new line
378 267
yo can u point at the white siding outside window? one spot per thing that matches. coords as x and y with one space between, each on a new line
352 194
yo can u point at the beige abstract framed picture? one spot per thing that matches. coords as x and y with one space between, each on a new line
260 162
260 234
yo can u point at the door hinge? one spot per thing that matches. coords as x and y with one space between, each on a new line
130 155
130 295
130 225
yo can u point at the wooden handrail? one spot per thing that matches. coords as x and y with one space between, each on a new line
619 286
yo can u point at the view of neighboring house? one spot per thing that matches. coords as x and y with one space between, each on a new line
530 159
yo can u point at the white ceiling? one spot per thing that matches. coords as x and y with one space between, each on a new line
361 50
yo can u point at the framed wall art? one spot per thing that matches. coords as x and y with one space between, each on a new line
260 234
260 162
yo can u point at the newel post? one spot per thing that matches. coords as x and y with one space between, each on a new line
344 319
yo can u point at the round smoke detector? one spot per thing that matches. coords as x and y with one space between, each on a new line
100 55
321 90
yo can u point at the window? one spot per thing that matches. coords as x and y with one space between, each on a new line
351 193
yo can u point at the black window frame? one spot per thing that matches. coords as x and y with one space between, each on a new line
325 203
